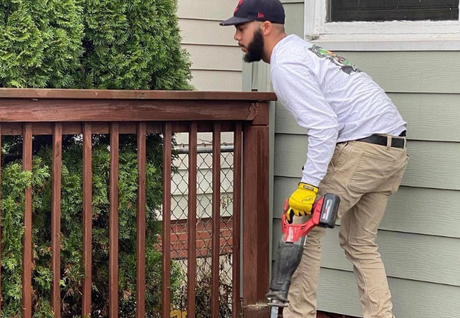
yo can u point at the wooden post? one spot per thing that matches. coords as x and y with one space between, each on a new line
256 217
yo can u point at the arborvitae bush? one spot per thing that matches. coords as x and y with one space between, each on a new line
111 44
40 42
14 182
133 44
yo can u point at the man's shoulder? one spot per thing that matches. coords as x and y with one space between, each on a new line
293 49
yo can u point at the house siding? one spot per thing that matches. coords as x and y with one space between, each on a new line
419 237
213 52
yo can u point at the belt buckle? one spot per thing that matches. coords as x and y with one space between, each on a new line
389 141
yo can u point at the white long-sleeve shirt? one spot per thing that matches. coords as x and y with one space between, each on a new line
329 97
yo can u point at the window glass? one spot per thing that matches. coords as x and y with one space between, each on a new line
389 10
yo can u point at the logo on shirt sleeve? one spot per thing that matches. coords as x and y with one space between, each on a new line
342 62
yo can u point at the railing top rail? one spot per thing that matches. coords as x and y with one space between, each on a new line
74 105
42 93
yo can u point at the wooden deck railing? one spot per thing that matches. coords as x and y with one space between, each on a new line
30 112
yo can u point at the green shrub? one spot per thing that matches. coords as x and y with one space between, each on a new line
112 44
40 42
133 44
14 181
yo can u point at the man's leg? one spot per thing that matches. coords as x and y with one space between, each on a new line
358 228
358 231
302 294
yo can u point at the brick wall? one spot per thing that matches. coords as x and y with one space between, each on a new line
179 237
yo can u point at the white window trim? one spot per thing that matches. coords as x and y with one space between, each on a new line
378 36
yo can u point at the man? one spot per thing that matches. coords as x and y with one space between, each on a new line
356 149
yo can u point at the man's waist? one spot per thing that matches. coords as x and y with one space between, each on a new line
386 140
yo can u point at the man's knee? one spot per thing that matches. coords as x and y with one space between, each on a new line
358 247
315 235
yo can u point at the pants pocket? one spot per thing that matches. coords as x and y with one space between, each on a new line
339 153
371 173
339 158
399 176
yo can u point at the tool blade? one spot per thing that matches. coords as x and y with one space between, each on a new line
274 311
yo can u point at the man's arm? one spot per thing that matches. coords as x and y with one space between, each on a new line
300 93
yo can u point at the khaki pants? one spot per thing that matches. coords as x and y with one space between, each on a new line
363 175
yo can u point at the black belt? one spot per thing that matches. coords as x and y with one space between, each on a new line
383 140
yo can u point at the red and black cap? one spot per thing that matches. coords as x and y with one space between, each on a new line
257 10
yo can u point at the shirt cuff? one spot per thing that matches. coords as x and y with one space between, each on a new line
310 180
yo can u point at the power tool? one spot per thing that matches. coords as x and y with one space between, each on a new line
290 247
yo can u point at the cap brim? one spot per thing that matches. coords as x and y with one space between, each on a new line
235 21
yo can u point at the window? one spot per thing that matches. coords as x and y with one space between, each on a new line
389 10
383 25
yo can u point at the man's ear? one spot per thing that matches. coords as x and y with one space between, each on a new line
266 27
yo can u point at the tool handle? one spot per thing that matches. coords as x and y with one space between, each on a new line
324 214
293 232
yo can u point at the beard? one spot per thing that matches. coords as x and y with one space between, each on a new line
255 48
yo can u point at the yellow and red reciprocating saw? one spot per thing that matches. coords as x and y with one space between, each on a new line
290 247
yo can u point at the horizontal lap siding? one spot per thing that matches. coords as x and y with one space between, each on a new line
294 17
337 292
206 9
411 72
208 80
216 58
419 236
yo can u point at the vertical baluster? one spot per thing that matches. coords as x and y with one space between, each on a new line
87 219
236 220
141 203
56 220
192 171
215 220
166 239
1 299
27 238
113 219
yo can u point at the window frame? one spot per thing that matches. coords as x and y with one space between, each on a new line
378 36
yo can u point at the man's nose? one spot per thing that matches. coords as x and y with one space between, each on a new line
237 36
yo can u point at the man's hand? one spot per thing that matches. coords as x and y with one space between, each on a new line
301 201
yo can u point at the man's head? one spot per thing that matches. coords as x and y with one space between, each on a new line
259 26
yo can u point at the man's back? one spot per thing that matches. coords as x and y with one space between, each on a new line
361 106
